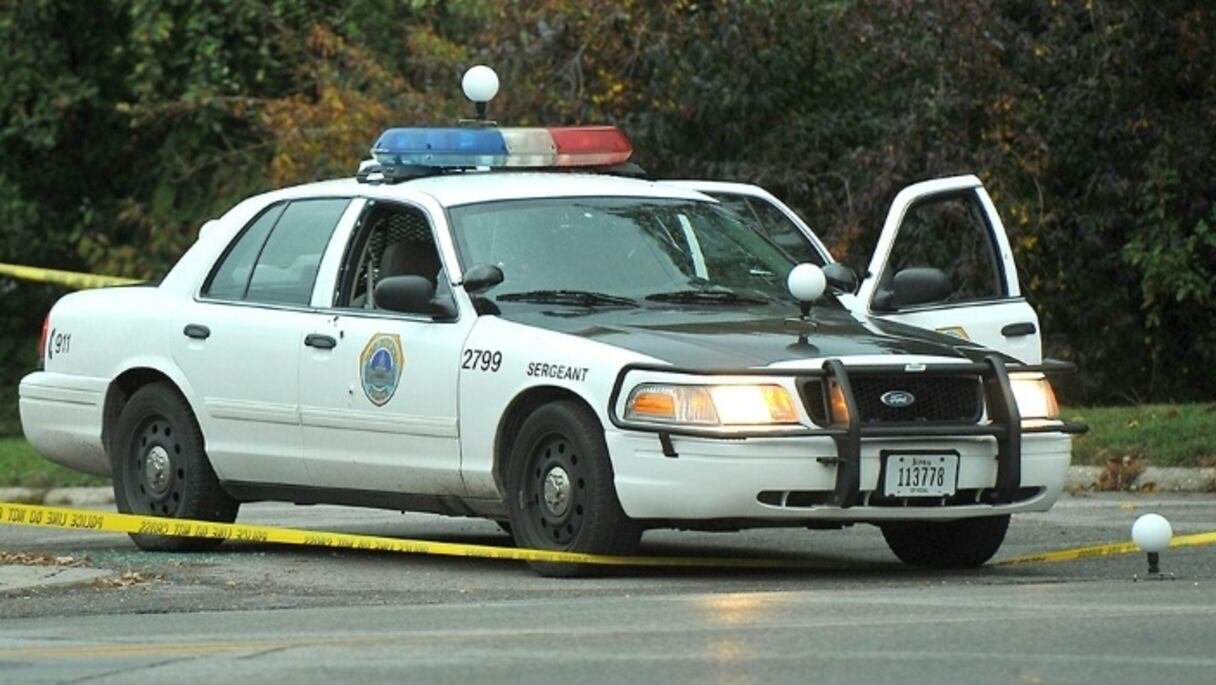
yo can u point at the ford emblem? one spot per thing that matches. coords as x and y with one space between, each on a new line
897 399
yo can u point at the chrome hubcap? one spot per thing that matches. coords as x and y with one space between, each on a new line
156 470
556 492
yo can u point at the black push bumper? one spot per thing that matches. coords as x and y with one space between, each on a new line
1004 422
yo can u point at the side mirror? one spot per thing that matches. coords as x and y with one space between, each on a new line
841 278
919 285
412 295
481 277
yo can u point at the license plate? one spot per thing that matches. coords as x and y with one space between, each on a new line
920 475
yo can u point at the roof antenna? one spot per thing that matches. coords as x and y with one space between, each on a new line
480 84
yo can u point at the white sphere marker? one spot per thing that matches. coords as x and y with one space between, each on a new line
806 282
1152 533
480 84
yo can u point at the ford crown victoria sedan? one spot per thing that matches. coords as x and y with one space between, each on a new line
482 323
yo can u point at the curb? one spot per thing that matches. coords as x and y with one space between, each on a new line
59 497
1152 479
17 579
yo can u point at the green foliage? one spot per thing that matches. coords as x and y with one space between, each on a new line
1176 265
20 353
124 125
20 465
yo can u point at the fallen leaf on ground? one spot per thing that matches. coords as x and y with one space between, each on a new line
38 559
125 580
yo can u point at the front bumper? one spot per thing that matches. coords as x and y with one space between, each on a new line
778 480
1005 465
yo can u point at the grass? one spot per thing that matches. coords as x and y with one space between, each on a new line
20 465
1153 435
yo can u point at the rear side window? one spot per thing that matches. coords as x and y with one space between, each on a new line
275 260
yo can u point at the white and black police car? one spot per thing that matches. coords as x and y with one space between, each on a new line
493 322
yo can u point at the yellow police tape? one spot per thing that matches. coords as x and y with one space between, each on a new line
1109 549
71 279
99 521
75 519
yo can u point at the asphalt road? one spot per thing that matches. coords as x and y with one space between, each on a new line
258 613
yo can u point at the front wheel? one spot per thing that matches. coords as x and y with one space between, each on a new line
966 543
560 488
159 468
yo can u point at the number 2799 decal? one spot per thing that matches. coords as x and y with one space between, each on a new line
482 360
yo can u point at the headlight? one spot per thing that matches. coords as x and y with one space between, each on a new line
1034 396
711 405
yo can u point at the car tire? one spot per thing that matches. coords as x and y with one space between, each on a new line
560 489
966 543
159 468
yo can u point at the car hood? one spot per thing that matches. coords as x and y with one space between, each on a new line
739 337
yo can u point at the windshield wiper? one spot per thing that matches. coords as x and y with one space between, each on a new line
705 297
582 298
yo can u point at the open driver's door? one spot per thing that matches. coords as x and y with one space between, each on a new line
943 263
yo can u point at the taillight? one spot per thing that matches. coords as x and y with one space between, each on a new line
46 327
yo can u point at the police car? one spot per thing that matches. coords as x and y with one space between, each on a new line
494 322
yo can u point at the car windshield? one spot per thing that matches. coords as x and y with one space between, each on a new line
621 251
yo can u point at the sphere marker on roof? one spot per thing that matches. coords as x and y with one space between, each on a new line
480 84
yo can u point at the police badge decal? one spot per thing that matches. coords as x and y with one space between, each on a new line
380 367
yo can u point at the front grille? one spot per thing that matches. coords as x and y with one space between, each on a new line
943 398
937 398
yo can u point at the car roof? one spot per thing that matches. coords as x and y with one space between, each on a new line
454 189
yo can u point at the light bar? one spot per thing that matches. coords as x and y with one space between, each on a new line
456 148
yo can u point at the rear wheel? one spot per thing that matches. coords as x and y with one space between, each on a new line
159 468
560 489
966 543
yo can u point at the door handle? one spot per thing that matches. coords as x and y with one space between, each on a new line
197 331
321 342
1014 330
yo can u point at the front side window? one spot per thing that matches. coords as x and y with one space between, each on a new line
394 240
951 234
275 260
643 249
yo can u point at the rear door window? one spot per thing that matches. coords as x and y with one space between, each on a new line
230 280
